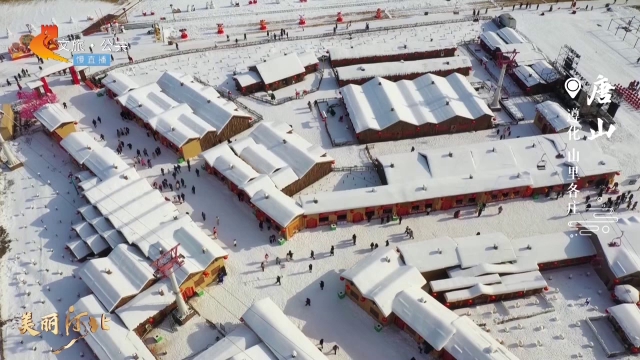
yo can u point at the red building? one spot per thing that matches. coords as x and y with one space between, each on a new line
552 118
276 73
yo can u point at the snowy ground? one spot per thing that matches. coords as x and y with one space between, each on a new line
337 321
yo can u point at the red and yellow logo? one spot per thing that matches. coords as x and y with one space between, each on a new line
43 43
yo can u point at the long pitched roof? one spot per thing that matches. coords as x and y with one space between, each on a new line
380 103
119 83
130 272
147 101
205 101
273 327
116 344
180 124
365 51
52 116
354 72
103 162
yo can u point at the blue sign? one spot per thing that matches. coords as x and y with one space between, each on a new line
91 59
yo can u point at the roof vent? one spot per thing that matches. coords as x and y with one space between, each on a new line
530 75
161 251
601 162
518 175
88 147
294 354
447 102
115 166
135 356
528 246
471 176
402 61
284 141
495 246
405 46
450 154
139 105
393 109
173 128
208 101
373 190
108 271
204 250
432 82
494 149
388 259
266 196
422 300
393 165
181 84
113 81
230 166
315 201
534 144
439 251
161 292
446 63
126 177
424 187
379 82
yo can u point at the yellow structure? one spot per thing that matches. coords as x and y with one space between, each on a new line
57 121
6 122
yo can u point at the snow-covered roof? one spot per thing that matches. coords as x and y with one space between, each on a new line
130 272
628 317
627 294
147 101
103 162
555 114
510 283
510 36
429 255
34 84
462 282
275 329
553 247
365 51
89 183
425 315
527 53
623 260
79 248
354 72
52 116
107 231
297 152
248 78
147 304
257 184
89 213
482 269
514 163
119 83
180 124
278 206
115 344
494 248
380 103
471 342
308 58
256 352
492 40
280 68
56 67
236 342
83 175
529 77
84 229
261 159
233 168
381 276
79 145
545 70
205 101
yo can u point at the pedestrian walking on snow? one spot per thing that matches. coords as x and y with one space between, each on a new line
399 220
354 239
217 221
587 302
335 349
193 189
162 171
321 285
215 232
321 344
499 209
182 196
278 280
262 266
235 243
182 181
64 105
372 245
99 120
95 124
386 243
375 246
310 268
197 172
313 256
204 216
308 302
332 250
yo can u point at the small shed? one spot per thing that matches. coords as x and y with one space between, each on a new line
6 122
552 118
626 322
490 42
281 71
626 294
546 71
506 20
510 36
57 121
528 80
118 84
248 82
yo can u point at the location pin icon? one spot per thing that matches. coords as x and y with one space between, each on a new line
573 86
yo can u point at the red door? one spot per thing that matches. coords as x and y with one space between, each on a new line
357 217
399 323
446 204
312 223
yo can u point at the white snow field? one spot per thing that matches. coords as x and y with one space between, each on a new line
30 202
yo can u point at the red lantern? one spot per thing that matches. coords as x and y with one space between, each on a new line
384 320
470 302
635 350
226 257
492 298
362 299
616 281
447 305
151 321
379 133
341 278
520 293
434 294
241 320
348 287
546 288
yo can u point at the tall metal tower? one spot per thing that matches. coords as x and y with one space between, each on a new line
505 59
166 266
